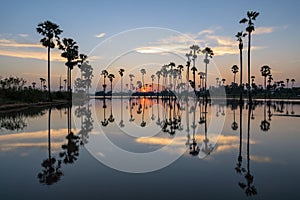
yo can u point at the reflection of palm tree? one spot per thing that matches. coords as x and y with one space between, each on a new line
239 169
249 187
207 146
105 121
240 36
111 117
194 148
234 125
265 125
121 124
143 123
130 110
51 33
51 172
251 15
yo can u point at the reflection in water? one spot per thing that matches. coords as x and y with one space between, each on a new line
172 116
51 172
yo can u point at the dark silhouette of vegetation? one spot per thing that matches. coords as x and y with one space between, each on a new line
50 32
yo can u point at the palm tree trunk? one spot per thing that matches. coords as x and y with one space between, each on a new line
241 74
49 91
249 47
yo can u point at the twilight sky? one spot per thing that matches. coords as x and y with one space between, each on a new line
113 34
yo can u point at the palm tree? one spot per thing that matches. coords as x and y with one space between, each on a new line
121 72
293 82
65 80
194 69
234 69
217 79
158 74
42 82
188 64
33 85
70 52
143 71
223 81
208 52
50 32
111 77
265 71
251 15
105 74
131 76
252 80
287 82
152 79
240 36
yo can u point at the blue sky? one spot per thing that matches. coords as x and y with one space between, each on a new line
276 42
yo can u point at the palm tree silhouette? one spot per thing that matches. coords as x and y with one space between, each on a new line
50 32
158 74
51 172
143 71
121 72
131 76
65 80
208 52
265 71
152 79
105 74
188 64
111 77
194 69
33 85
42 82
240 36
293 82
251 15
234 69
70 52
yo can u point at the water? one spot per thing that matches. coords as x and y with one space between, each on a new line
263 164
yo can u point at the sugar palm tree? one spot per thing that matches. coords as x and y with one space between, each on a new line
223 81
234 69
239 37
152 79
104 73
143 71
131 76
158 74
188 64
287 82
50 32
33 85
42 82
208 52
194 69
111 77
251 16
265 71
69 51
293 82
121 72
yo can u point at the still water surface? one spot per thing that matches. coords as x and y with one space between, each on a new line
46 153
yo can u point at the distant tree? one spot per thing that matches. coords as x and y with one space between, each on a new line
143 72
293 82
50 32
208 52
234 69
104 73
111 78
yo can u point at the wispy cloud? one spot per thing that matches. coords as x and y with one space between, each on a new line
264 30
100 35
23 35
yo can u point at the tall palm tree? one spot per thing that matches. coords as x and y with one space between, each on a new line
265 71
188 64
131 76
105 74
33 85
293 82
234 69
143 71
239 37
69 51
50 32
251 15
111 77
158 74
121 72
194 69
195 49
152 79
287 82
208 52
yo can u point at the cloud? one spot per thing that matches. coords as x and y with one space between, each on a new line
264 30
23 35
100 35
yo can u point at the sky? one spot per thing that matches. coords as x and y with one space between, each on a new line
147 34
